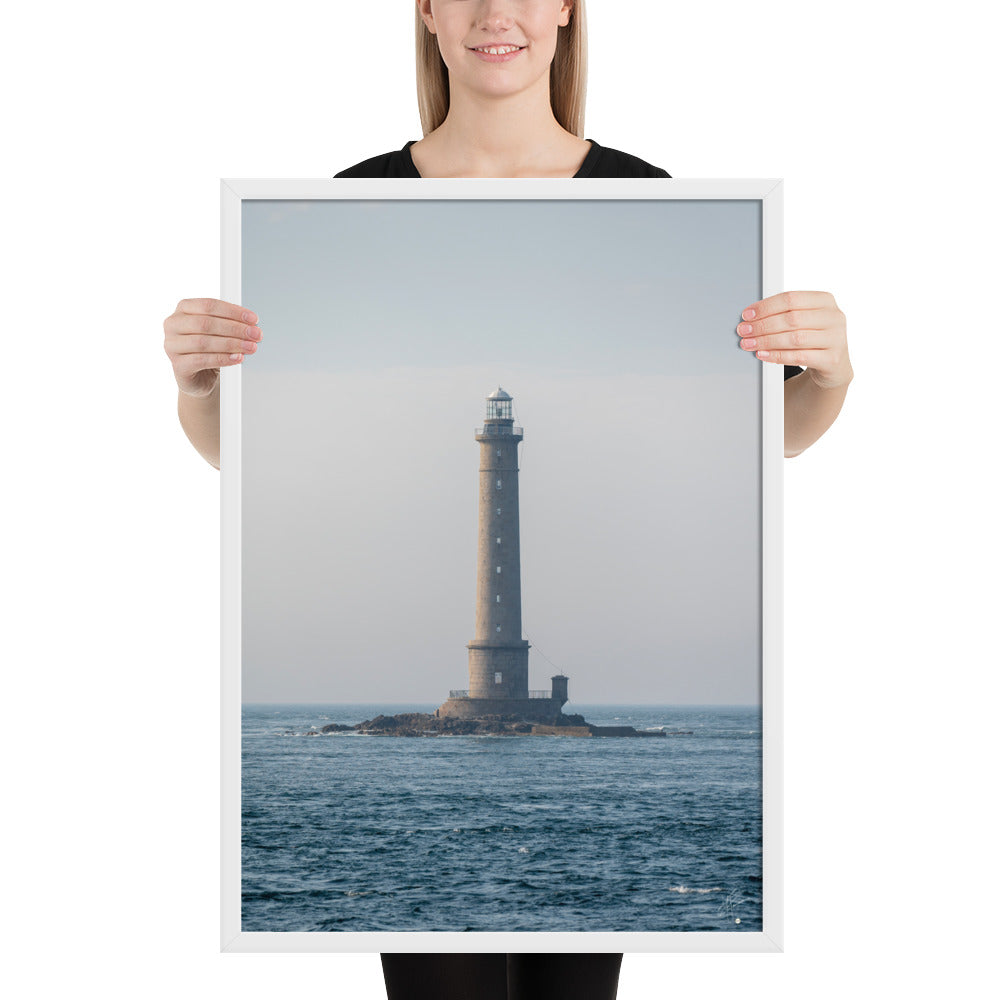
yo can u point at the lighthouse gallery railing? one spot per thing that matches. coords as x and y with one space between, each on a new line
531 694
498 430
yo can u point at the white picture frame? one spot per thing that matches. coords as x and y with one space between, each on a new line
767 194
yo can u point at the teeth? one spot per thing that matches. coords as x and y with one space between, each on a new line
503 50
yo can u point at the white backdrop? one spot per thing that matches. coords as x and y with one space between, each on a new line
120 120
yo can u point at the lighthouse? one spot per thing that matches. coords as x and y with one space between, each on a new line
498 654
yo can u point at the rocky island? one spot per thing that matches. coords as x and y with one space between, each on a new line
425 724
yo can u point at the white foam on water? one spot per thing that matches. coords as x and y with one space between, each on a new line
684 888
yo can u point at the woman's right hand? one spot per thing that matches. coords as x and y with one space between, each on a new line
203 335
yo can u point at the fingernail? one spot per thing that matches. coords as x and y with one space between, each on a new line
744 328
748 344
235 357
249 347
249 317
763 354
749 313
254 332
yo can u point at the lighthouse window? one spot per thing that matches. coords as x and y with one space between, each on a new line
497 677
498 569
498 510
498 541
499 452
498 598
499 484
498 628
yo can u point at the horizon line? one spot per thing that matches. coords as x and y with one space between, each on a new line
600 704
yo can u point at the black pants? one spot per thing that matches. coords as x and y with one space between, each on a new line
496 976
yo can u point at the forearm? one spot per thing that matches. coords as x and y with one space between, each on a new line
809 411
199 416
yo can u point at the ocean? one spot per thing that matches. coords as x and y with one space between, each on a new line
351 832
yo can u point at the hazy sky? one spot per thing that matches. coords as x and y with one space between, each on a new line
612 324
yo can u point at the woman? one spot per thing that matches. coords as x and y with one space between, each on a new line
501 88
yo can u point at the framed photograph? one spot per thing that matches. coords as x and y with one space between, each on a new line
501 518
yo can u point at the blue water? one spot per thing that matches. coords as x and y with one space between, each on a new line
349 832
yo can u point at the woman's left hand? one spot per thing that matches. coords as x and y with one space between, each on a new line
800 328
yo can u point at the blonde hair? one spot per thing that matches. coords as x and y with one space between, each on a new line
567 75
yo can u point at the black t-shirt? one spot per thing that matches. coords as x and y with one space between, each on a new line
600 161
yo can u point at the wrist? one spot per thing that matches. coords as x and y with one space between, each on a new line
840 379
202 393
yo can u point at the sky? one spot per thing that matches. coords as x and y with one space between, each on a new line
612 324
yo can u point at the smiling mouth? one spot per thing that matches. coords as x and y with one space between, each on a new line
498 50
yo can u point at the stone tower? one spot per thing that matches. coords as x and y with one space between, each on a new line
498 656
